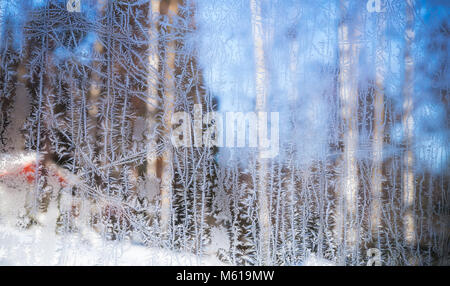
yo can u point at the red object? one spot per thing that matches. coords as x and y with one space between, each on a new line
29 172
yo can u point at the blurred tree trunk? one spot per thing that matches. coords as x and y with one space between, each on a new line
293 94
378 129
93 101
348 93
261 78
409 227
153 81
14 97
168 9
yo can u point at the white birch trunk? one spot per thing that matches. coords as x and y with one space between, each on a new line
378 131
261 78
153 81
168 110
409 228
348 95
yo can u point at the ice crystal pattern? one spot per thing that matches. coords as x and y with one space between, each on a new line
89 174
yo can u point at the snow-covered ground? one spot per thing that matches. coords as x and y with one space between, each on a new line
313 260
41 246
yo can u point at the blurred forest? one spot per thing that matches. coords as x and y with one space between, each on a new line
87 104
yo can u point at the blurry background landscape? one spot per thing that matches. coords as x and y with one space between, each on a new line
88 173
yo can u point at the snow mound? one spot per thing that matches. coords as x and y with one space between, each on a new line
41 245
313 260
